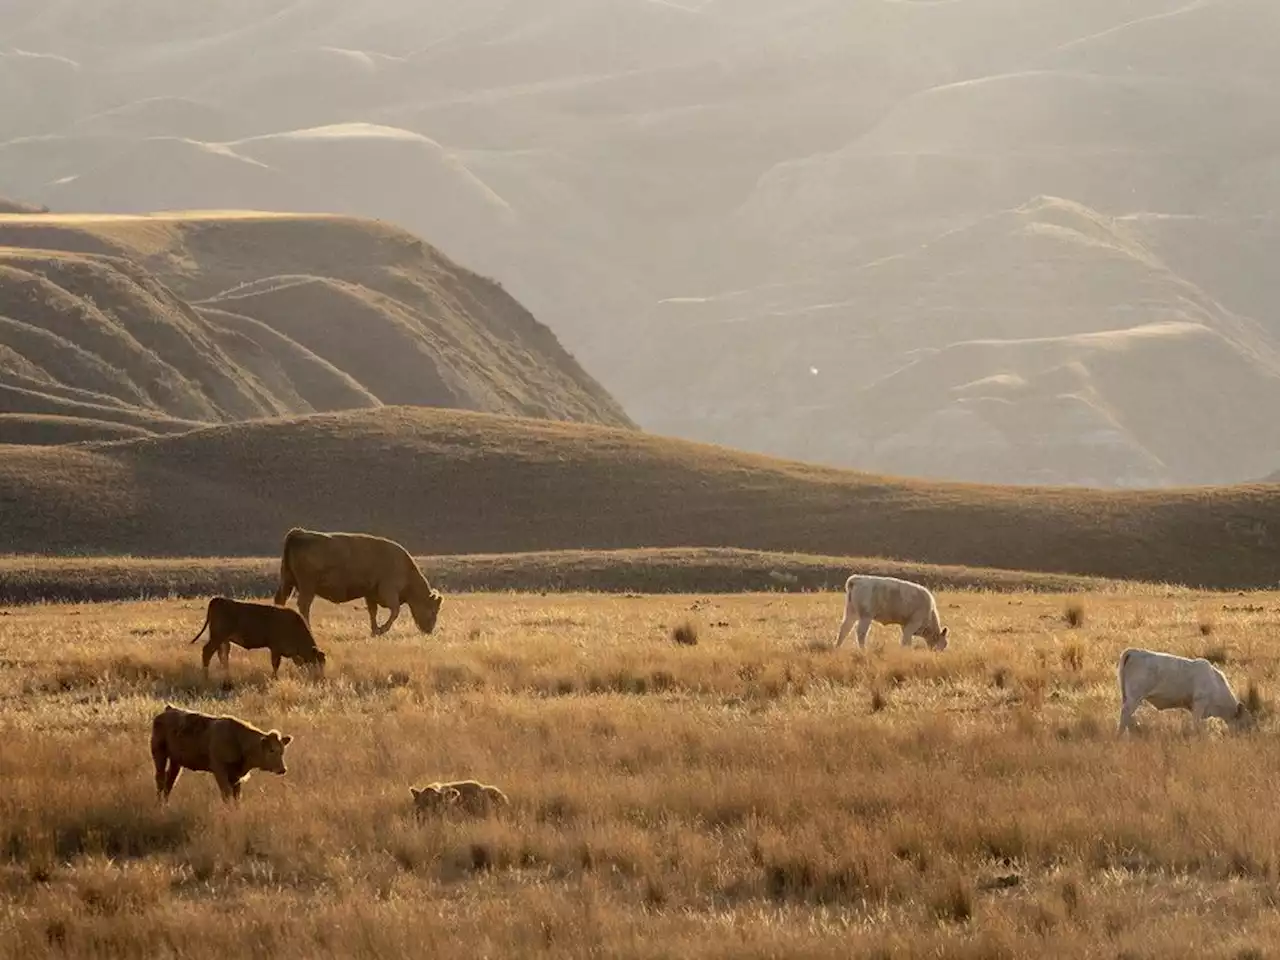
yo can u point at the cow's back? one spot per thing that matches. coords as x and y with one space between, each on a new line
346 564
185 735
258 625
1164 679
888 599
281 628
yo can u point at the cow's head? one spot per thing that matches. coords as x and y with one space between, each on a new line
425 608
270 752
313 658
937 639
1243 719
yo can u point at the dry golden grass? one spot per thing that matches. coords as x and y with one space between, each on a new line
755 795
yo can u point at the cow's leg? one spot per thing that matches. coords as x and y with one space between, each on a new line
391 603
224 655
1127 709
225 786
910 628
846 624
305 600
160 758
212 646
275 665
1199 710
235 791
864 627
171 777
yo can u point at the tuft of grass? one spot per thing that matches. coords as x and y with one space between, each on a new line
685 634
1073 657
1254 702
1072 897
1073 614
1206 626
952 899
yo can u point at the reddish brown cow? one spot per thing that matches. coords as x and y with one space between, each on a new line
225 746
255 626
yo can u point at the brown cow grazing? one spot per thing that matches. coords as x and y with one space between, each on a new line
255 626
468 795
341 567
224 746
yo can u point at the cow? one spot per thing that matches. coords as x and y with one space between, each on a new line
1168 682
254 626
340 567
225 746
469 795
889 600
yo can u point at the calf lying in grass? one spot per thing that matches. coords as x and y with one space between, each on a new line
470 796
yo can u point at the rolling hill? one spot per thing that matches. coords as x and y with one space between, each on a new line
452 482
220 317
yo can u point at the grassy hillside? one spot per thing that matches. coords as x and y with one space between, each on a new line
447 482
219 317
33 579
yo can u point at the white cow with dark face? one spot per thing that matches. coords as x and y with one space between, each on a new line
889 600
1169 682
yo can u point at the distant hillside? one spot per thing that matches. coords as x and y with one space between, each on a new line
219 317
14 206
448 482
974 358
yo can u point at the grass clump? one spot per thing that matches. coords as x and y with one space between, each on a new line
685 634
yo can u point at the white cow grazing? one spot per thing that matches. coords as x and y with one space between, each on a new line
889 600
1170 682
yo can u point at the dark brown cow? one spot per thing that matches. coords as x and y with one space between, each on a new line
255 626
225 746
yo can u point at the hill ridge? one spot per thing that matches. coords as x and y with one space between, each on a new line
464 482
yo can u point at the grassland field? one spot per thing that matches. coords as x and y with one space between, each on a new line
754 795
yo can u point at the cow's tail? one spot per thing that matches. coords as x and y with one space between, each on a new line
287 581
208 615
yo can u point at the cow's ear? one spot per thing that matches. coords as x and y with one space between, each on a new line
415 792
452 795
946 632
286 740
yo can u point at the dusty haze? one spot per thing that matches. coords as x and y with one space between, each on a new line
979 239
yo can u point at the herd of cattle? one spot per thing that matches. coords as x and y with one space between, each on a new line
341 567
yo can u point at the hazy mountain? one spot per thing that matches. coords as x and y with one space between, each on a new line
113 326
1013 239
